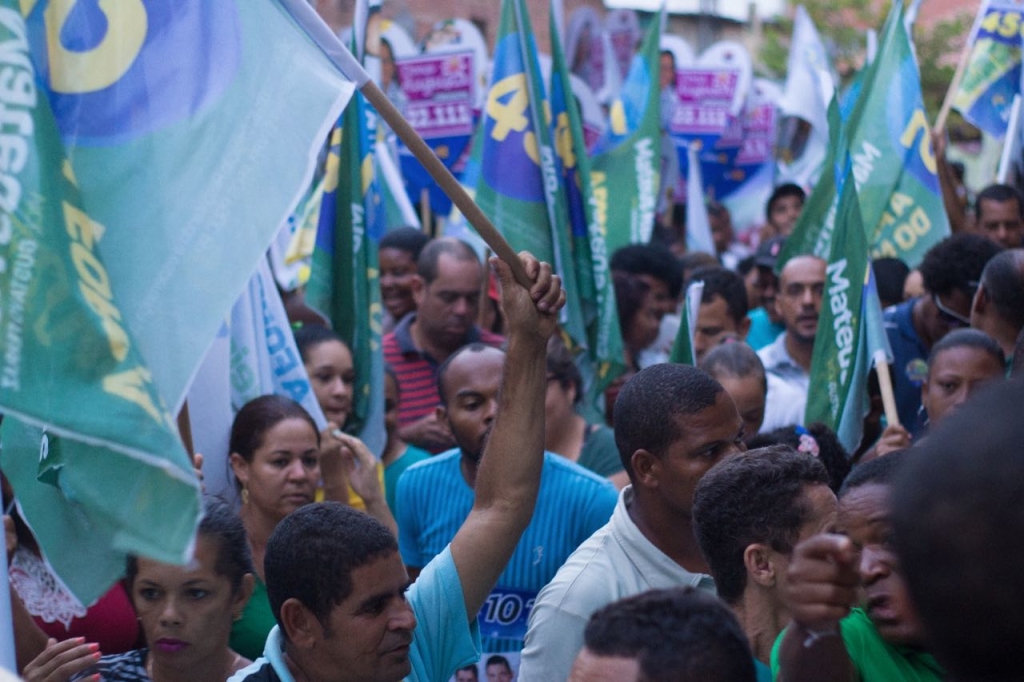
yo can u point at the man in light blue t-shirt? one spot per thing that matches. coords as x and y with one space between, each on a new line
336 582
435 496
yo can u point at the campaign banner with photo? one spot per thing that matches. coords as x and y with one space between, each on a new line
709 111
441 93
584 47
623 30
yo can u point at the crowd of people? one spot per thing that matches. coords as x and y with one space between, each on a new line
701 532
694 529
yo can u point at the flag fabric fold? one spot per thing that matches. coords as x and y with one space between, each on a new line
683 348
204 134
344 279
89 444
698 224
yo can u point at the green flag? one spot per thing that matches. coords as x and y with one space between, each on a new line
601 360
89 446
850 329
626 165
893 164
518 185
683 352
344 278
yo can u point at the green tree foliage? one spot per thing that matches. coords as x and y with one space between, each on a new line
843 26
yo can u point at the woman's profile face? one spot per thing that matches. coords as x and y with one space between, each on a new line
186 611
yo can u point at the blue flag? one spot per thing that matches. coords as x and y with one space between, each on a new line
993 72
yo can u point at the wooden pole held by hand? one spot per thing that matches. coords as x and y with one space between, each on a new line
885 383
476 217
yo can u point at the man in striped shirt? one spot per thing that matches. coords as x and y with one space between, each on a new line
447 290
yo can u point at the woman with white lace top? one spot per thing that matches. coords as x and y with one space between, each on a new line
52 611
185 612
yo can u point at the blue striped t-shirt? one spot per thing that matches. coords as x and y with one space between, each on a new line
434 499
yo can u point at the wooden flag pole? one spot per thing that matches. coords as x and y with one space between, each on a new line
307 17
443 177
885 383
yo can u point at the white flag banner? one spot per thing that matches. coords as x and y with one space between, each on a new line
698 225
808 91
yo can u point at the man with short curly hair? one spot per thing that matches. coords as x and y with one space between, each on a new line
749 511
951 271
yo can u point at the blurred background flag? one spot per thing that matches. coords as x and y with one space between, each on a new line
627 158
804 106
600 360
993 71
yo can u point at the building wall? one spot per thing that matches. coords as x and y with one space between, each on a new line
417 16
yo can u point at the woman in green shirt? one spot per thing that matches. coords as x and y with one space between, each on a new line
592 446
880 640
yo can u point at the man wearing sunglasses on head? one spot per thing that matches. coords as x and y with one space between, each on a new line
951 271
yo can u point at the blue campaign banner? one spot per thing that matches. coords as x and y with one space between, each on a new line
453 153
993 72
506 614
440 94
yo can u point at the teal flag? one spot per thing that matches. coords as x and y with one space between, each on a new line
344 279
518 186
601 361
88 443
850 329
626 164
893 163
193 128
683 350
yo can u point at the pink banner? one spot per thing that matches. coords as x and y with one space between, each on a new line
705 97
440 93
759 135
